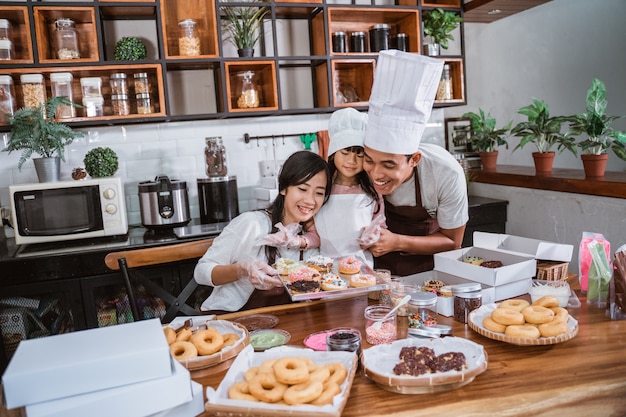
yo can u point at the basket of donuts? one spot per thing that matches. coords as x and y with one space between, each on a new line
519 322
205 343
420 366
284 381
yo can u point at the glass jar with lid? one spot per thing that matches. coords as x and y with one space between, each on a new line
346 339
422 310
7 98
6 50
379 37
247 93
215 157
91 86
444 90
467 297
144 103
120 104
33 90
118 83
398 293
61 86
188 39
66 39
5 29
142 83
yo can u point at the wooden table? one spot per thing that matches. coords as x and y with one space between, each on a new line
585 376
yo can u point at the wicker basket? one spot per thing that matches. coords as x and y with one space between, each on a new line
552 271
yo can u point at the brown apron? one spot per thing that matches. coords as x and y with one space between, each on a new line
412 221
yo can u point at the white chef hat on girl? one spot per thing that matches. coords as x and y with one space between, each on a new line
346 128
401 101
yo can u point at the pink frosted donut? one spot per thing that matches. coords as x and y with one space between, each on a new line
304 274
349 265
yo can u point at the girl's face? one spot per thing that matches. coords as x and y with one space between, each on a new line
348 163
303 201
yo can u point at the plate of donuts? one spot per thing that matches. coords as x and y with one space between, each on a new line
530 327
205 343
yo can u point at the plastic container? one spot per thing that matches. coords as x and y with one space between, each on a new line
142 83
379 37
467 297
144 103
118 83
422 310
339 42
7 98
33 90
6 50
93 106
61 85
444 90
66 39
91 86
357 42
398 293
387 332
120 104
188 39
215 157
247 93
5 29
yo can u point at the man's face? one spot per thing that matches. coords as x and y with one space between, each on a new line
388 170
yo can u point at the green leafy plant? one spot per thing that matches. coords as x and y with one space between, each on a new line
485 137
597 125
439 24
542 129
34 131
244 24
130 48
101 162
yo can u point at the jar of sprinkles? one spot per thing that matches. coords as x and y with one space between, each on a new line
422 310
387 331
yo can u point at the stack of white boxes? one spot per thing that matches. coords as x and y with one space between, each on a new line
119 370
267 192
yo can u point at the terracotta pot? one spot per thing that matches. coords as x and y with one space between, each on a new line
489 160
543 161
594 165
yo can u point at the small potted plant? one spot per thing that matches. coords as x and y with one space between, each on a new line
130 48
101 162
244 26
438 24
544 131
485 138
600 136
34 131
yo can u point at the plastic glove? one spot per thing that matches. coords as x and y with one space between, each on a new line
286 237
261 275
370 234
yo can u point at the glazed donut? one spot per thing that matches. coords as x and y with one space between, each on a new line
303 393
331 389
311 366
229 339
207 341
183 335
517 305
267 366
291 370
239 391
537 314
507 316
170 335
553 328
321 373
251 373
349 265
560 314
338 372
182 351
362 280
524 331
547 301
490 324
266 388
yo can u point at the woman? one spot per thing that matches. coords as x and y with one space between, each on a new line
237 265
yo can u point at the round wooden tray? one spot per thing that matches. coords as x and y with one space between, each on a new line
475 322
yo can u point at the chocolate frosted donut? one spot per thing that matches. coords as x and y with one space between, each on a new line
491 264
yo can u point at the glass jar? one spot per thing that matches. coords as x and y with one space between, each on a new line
66 39
422 310
5 29
444 90
61 86
6 50
344 339
33 90
247 93
387 332
144 104
357 42
379 37
382 276
398 293
339 42
188 39
118 84
385 295
93 106
91 86
142 83
401 42
215 157
467 297
7 98
120 104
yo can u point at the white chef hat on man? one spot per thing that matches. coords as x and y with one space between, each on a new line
346 128
402 98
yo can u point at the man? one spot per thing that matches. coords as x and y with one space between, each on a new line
424 187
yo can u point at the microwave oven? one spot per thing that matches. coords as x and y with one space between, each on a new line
68 210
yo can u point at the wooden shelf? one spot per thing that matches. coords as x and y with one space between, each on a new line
22 42
264 81
203 12
481 11
457 74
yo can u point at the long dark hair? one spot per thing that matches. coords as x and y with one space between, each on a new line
362 178
300 167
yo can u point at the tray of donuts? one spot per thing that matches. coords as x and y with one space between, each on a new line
519 322
200 343
284 381
324 277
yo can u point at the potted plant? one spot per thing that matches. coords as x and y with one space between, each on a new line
34 131
130 48
544 131
438 24
600 136
485 138
101 162
244 26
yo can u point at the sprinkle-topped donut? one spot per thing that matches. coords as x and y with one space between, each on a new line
332 282
284 265
349 265
321 263
304 273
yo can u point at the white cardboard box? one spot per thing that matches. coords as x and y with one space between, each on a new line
541 250
188 409
137 400
75 363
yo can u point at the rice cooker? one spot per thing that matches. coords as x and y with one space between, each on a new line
164 203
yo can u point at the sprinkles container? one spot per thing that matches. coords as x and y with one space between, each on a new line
387 332
422 310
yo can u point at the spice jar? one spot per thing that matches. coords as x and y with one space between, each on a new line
61 85
93 106
144 104
91 86
339 42
379 37
215 157
467 297
118 83
142 83
444 90
387 332
422 310
398 294
5 29
401 42
66 39
120 104
7 98
188 39
6 49
33 90
385 295
344 339
247 92
357 42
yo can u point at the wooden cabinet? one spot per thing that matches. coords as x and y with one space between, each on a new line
295 68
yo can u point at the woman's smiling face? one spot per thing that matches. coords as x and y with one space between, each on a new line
387 170
303 201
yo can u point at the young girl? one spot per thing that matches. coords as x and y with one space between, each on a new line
237 265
